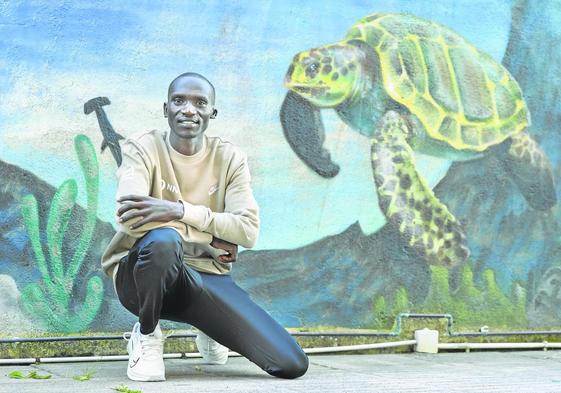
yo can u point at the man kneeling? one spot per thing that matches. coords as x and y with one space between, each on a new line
184 205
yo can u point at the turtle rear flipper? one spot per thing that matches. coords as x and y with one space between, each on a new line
304 131
529 167
408 202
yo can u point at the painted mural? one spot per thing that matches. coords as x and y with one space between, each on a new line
409 162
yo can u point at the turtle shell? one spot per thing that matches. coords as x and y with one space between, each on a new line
460 94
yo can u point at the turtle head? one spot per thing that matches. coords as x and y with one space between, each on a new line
325 76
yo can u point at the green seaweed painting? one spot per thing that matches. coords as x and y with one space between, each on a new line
51 299
470 305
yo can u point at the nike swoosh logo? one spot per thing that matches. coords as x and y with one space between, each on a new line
133 362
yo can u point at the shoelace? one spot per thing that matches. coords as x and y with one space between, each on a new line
151 347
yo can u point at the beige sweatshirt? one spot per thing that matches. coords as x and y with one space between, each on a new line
213 185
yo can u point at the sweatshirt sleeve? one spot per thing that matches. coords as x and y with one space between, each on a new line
239 223
134 177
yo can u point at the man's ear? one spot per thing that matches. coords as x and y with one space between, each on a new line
165 109
214 113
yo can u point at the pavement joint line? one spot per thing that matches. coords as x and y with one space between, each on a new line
47 370
325 366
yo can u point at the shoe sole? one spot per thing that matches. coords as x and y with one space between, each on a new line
215 363
145 378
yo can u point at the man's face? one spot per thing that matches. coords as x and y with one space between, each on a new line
190 106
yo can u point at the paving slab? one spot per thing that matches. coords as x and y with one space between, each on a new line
520 372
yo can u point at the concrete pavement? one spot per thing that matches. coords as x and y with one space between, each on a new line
520 372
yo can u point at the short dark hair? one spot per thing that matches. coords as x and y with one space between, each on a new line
192 75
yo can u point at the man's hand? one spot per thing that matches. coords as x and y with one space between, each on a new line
230 248
149 208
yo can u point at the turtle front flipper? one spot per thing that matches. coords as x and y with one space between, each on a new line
529 167
304 131
408 202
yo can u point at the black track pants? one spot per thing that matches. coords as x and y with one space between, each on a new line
153 283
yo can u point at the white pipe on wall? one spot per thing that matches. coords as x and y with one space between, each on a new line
97 358
361 347
194 355
542 345
17 361
345 348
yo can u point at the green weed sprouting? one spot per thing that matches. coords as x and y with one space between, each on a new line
469 305
50 300
84 377
125 389
16 374
36 375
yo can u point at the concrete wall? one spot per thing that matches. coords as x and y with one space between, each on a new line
327 254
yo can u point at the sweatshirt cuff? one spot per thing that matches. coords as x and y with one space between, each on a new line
194 215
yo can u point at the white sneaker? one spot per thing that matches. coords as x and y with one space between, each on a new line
213 352
146 355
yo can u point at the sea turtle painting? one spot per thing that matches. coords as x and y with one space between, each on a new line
412 85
